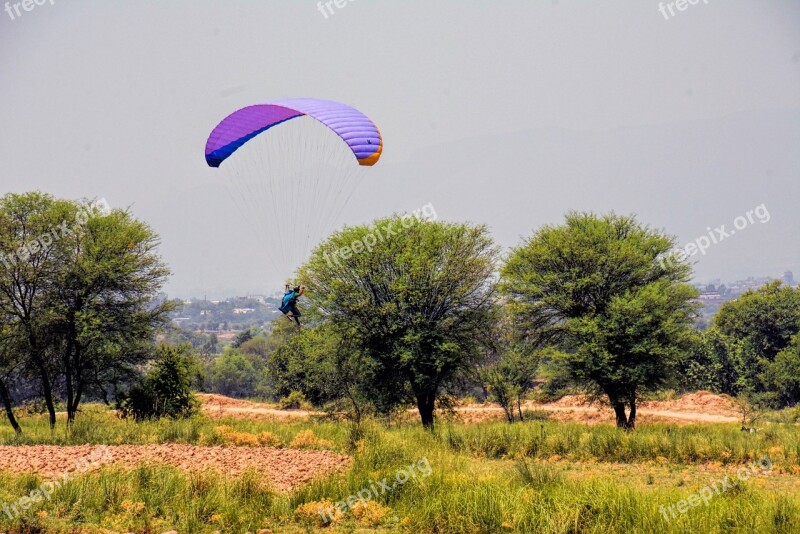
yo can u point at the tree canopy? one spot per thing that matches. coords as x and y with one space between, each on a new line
597 288
414 298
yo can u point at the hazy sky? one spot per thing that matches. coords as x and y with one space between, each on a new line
508 113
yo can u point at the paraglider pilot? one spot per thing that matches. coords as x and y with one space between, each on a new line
289 305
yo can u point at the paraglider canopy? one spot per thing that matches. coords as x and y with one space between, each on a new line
360 134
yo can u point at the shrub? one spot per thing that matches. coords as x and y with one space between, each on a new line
230 436
165 390
317 513
306 439
369 513
268 439
294 401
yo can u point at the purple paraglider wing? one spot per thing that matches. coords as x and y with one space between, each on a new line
352 126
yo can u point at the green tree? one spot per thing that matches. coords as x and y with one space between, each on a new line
239 375
79 288
755 328
30 227
715 364
261 346
782 375
597 288
511 375
242 337
413 298
211 346
103 304
165 391
768 317
320 364
508 381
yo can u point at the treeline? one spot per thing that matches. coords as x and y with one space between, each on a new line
427 311
752 349
423 315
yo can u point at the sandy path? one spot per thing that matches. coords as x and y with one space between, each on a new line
700 407
663 414
608 414
696 417
284 468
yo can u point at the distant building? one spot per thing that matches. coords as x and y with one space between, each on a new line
788 278
243 311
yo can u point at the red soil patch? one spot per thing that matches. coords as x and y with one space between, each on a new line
285 469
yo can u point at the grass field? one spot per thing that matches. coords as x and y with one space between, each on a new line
540 476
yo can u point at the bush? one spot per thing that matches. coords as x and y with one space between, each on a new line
294 401
305 439
369 513
509 380
165 391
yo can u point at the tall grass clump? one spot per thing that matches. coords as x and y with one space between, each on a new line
688 444
150 499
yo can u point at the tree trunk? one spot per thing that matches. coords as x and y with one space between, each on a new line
68 383
78 385
619 411
103 394
519 409
72 370
356 407
47 389
632 414
624 421
425 404
9 408
509 412
48 398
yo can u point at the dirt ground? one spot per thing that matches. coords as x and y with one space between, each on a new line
699 407
218 406
289 468
284 468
